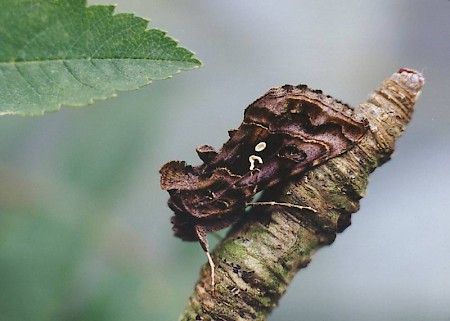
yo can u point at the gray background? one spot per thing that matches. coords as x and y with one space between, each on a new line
98 166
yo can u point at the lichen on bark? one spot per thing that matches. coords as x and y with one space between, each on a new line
257 260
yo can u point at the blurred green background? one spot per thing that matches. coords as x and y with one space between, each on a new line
84 227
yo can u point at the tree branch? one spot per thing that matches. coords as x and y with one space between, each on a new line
257 260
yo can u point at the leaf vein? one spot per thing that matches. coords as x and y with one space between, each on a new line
72 73
57 85
30 84
107 41
113 63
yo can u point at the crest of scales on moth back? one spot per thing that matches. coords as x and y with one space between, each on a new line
284 133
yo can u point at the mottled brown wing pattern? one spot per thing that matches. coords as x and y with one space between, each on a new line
284 133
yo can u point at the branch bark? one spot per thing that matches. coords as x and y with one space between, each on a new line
257 260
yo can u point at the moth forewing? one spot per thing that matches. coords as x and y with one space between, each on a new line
284 133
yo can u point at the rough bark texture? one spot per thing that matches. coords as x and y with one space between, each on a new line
259 257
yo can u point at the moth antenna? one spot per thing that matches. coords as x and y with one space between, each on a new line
290 205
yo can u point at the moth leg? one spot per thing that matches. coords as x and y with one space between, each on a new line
273 203
201 234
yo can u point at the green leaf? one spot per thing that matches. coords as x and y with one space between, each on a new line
57 52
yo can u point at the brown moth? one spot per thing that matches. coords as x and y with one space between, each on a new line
284 133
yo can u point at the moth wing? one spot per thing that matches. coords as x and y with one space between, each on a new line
177 175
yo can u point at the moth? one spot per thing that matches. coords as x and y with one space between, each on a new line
285 133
